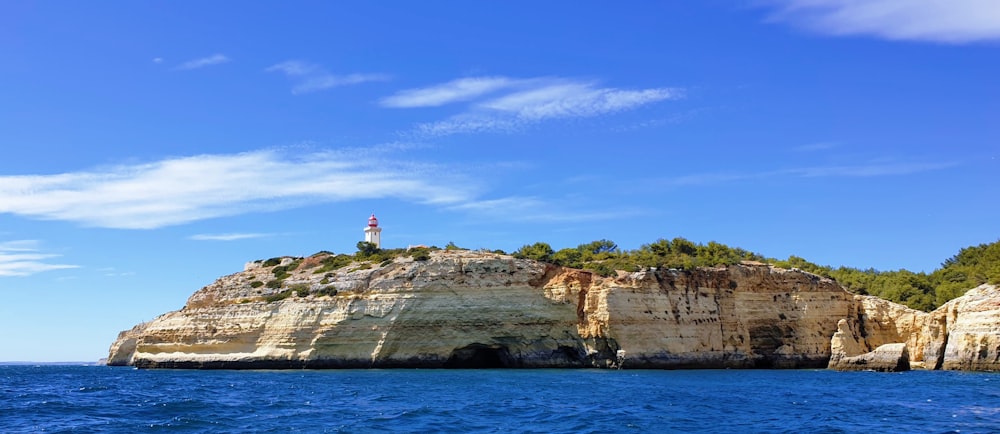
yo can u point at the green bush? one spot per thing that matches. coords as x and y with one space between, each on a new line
256 284
420 253
301 290
274 284
278 296
272 262
327 290
331 263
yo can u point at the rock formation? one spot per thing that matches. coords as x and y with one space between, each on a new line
963 334
473 309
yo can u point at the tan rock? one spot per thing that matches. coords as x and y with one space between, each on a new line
472 309
885 358
971 326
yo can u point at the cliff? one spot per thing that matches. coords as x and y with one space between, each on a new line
472 309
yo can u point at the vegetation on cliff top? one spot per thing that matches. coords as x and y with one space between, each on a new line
971 267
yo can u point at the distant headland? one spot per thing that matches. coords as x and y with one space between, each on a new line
667 305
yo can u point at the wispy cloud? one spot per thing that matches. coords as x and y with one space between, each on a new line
23 258
563 100
871 169
227 237
313 78
215 59
462 89
949 21
507 104
181 190
113 272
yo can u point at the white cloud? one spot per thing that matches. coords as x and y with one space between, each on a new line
563 100
227 237
950 21
293 68
469 124
22 258
871 169
180 190
215 59
521 102
313 78
462 89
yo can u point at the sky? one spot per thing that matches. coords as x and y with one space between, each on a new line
149 148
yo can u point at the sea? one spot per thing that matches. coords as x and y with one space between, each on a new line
84 399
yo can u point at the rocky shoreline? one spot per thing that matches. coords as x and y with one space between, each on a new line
466 309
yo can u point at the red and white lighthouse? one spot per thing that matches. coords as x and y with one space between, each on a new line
373 233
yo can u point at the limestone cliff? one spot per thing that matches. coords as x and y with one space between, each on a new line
472 309
963 334
968 330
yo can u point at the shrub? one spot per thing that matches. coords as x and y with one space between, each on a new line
331 263
274 284
301 290
420 253
327 290
278 296
281 272
272 262
256 284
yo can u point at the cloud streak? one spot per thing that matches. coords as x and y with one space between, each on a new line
313 78
507 104
181 190
948 21
873 169
22 258
462 89
215 59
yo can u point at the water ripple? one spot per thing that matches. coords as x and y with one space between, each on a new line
101 399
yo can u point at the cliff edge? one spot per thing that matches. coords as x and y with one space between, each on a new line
468 309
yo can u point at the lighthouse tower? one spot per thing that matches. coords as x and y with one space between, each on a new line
373 233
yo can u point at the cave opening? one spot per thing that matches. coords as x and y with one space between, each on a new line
480 356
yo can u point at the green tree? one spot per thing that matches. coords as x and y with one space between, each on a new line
366 249
538 251
568 258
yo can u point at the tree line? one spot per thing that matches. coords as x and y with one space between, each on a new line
971 267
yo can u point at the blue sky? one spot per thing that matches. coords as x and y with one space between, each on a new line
151 147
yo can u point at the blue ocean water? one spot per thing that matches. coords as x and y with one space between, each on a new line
106 399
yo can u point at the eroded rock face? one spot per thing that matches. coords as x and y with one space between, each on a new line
470 309
885 358
962 334
873 323
970 328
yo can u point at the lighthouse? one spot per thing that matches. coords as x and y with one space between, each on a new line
373 233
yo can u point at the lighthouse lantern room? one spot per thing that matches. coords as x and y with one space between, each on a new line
373 233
